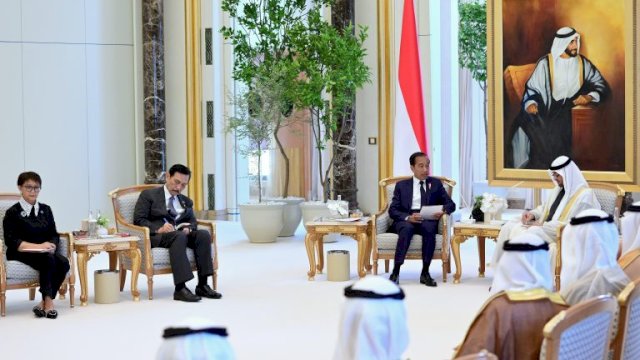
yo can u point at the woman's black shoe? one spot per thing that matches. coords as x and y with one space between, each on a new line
52 314
38 312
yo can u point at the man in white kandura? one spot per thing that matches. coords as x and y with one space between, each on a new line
630 226
589 266
374 321
570 195
510 322
195 339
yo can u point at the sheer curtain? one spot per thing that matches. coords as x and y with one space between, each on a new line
472 137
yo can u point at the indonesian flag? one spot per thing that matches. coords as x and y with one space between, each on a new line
409 132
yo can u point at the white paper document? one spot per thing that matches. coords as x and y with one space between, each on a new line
427 212
35 250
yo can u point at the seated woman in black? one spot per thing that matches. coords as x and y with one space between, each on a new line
31 237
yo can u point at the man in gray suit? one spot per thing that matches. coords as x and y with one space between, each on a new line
169 216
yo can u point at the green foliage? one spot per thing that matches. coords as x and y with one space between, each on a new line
258 112
262 43
102 221
478 202
332 62
472 38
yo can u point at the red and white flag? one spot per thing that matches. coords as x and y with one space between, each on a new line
409 133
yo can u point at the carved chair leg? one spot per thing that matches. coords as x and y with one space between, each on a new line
386 265
214 280
150 286
72 291
123 276
32 293
2 304
375 266
62 291
445 266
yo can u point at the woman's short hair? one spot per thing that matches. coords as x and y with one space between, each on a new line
29 175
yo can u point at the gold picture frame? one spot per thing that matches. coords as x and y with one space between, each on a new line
607 29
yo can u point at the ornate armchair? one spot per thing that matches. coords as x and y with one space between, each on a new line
17 275
384 242
626 345
610 197
155 261
630 263
583 331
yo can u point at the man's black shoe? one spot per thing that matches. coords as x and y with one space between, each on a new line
394 278
185 294
208 292
427 280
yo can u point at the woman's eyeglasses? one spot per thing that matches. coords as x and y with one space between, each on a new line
32 188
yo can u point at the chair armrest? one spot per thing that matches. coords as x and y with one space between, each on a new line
3 271
142 232
210 226
68 240
445 220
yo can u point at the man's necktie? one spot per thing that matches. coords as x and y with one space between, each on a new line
424 199
555 204
171 209
32 214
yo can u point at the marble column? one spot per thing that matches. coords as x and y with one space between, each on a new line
344 168
153 87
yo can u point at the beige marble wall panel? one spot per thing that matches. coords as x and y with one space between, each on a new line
55 127
10 20
53 21
109 21
11 122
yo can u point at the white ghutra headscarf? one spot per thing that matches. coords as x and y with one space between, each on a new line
374 321
524 265
561 41
630 226
589 249
195 339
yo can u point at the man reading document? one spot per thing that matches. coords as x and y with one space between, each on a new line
172 223
409 197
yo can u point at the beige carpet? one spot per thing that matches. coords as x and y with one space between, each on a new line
269 308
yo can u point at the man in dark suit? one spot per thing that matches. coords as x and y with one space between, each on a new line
409 197
169 216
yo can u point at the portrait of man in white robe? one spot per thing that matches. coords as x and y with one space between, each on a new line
561 80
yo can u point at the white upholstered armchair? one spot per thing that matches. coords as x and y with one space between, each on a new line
155 261
384 242
17 275
581 332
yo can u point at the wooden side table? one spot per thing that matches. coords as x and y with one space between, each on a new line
359 230
461 232
86 248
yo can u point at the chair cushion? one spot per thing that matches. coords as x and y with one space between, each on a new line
632 337
161 259
586 339
387 243
18 272
607 200
127 204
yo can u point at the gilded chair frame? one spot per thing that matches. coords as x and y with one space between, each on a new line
69 282
618 205
565 319
147 261
630 293
630 263
444 254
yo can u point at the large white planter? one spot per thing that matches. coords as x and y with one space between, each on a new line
292 214
262 222
312 210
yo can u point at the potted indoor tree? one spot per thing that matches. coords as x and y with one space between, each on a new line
253 124
261 40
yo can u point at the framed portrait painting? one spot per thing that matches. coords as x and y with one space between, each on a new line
563 80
